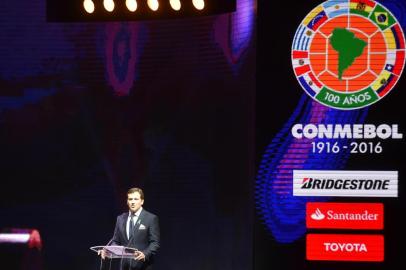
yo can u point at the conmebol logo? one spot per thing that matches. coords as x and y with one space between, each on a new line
345 183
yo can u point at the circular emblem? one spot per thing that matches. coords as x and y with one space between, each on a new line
121 56
348 54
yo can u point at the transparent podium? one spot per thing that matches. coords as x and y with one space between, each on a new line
114 252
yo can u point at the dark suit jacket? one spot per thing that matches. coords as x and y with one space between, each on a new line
145 238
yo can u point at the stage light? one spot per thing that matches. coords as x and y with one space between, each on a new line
134 10
153 4
108 5
175 4
131 5
89 6
199 4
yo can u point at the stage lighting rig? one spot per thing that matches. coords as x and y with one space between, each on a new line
133 10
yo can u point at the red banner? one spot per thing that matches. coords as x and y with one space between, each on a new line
358 216
344 247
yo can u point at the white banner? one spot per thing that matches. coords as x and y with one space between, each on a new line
345 183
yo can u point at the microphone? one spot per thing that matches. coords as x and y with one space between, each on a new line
111 240
100 251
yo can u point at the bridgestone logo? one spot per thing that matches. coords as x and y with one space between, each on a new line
345 183
314 183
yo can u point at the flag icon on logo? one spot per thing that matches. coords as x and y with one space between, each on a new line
315 18
362 7
382 17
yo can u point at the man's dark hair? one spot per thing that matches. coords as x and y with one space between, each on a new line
133 190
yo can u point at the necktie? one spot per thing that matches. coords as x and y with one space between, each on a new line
131 227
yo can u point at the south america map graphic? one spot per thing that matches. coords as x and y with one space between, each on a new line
348 54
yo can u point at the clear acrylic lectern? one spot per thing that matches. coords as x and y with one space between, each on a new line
114 252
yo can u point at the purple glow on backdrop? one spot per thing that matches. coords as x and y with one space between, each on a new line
283 213
121 56
233 32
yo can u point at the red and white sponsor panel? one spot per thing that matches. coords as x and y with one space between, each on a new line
358 216
345 247
345 215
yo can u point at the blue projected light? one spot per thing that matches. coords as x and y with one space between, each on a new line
398 8
282 213
233 32
243 26
30 96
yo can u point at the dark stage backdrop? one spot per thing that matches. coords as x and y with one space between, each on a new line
88 110
279 228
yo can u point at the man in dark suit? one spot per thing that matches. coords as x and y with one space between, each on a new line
137 229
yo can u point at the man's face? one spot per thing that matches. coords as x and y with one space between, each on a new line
134 201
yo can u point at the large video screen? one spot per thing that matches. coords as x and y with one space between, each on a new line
330 135
91 109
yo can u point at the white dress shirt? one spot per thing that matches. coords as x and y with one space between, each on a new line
135 218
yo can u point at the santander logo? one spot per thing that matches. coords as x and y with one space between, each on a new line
317 215
355 216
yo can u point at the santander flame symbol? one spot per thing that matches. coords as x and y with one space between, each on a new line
318 215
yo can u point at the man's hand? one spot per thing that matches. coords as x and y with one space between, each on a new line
102 253
139 256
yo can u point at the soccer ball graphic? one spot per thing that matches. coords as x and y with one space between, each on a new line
348 54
